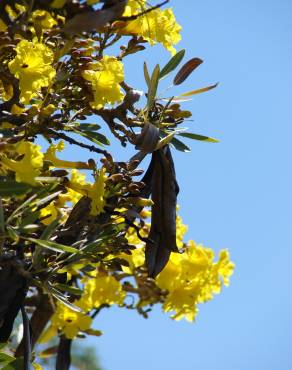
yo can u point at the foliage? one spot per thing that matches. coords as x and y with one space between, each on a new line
70 247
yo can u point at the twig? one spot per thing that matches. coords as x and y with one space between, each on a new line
92 148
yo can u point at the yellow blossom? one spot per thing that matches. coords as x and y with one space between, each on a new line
105 80
193 277
156 26
92 2
50 155
102 289
3 26
56 208
95 191
70 322
44 18
13 14
29 166
58 4
33 67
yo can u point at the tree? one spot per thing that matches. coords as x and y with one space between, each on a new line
70 246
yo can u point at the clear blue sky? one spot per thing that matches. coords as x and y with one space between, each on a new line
235 194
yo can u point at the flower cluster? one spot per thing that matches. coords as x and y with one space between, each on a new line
157 26
33 67
105 80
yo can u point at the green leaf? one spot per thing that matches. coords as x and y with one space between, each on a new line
186 70
29 219
58 295
16 364
89 127
47 199
95 137
189 135
4 357
180 145
53 246
167 139
146 74
47 233
153 87
12 188
69 289
172 64
199 91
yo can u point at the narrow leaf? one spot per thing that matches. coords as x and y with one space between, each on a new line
58 295
12 188
146 74
200 91
189 135
69 289
153 87
47 199
167 139
95 137
172 64
53 246
89 127
180 145
186 70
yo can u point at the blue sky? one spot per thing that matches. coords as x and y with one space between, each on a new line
235 194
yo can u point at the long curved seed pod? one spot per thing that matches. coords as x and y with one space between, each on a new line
162 236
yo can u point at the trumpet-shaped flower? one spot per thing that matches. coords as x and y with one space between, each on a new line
44 18
101 289
105 80
29 166
50 156
57 207
69 321
156 26
95 191
33 67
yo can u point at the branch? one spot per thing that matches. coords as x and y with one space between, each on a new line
92 148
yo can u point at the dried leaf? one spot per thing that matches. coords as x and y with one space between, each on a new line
186 70
90 21
199 91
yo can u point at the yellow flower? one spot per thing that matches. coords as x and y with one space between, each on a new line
105 80
70 322
3 26
29 166
193 277
92 2
12 14
157 26
56 208
95 191
44 18
58 4
33 67
50 155
102 289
